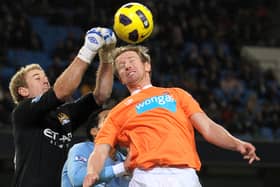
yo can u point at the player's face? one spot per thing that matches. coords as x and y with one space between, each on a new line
131 69
102 116
37 83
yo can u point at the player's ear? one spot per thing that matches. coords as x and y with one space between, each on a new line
147 66
23 91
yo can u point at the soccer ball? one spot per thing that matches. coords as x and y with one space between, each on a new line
133 23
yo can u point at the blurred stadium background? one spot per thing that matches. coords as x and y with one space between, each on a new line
226 53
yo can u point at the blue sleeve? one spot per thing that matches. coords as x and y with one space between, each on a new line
65 181
106 174
77 163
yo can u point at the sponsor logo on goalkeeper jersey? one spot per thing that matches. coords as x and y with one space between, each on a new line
161 101
57 139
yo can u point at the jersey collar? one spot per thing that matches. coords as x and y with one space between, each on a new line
140 89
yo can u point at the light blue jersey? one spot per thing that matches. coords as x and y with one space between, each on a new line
75 168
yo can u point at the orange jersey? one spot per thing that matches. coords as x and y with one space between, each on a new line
154 124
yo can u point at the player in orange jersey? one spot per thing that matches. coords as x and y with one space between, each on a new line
157 125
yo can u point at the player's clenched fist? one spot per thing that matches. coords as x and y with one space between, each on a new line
109 36
94 40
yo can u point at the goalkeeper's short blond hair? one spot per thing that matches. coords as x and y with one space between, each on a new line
18 80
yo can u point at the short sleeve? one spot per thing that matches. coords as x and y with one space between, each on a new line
188 103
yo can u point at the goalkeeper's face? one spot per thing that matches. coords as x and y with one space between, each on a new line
131 69
37 84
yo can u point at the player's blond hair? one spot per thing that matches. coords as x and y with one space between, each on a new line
18 80
142 51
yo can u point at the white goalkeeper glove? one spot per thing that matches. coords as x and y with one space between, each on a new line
109 36
94 40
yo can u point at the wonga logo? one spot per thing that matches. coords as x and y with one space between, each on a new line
161 101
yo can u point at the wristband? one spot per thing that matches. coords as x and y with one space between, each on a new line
119 169
86 54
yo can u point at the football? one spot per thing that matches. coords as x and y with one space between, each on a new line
133 23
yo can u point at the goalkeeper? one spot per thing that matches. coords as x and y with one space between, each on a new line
43 119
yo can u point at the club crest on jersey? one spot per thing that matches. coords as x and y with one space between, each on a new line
161 101
80 158
63 118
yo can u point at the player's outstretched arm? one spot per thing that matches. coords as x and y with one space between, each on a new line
105 76
70 79
219 136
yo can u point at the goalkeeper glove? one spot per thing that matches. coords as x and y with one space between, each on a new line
94 40
110 44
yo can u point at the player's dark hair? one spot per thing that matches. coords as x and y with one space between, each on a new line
92 122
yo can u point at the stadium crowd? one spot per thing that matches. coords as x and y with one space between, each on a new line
195 45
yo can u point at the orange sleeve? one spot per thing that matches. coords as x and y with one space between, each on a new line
188 103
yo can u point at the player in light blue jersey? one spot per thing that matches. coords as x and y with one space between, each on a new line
75 167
